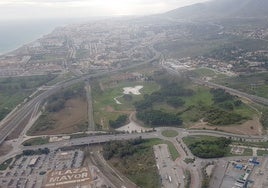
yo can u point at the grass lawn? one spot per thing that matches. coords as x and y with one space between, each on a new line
105 107
170 133
251 144
192 139
5 164
262 152
201 72
247 152
208 146
244 83
15 90
36 141
173 151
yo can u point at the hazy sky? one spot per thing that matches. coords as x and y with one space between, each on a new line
24 9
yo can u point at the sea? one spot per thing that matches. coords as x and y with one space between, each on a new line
14 34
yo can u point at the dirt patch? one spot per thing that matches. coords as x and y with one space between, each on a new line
5 149
111 109
71 119
250 127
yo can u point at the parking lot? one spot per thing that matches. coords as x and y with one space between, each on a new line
168 171
36 167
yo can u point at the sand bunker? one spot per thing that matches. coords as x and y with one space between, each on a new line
134 90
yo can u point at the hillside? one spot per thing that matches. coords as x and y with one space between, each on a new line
222 9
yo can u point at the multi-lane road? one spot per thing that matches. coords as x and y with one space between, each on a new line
254 98
23 112
232 91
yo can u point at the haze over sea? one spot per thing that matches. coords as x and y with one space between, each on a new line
14 34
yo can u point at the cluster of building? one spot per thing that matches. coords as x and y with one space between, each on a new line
95 45
56 169
258 33
242 62
240 173
189 63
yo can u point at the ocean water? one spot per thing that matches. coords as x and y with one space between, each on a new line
14 34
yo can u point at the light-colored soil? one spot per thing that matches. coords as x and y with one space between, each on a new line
5 149
111 109
250 127
70 119
132 90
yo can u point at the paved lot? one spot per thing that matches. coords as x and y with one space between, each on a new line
30 171
168 171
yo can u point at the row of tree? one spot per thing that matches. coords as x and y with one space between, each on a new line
225 100
36 152
210 148
121 148
158 118
57 101
171 94
120 121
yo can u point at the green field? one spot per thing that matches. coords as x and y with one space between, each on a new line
5 164
247 152
173 151
262 152
195 139
206 72
256 84
251 144
207 146
15 90
170 133
105 107
36 141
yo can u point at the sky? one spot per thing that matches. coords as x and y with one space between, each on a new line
37 9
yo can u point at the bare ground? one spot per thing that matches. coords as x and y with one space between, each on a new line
5 149
250 127
70 119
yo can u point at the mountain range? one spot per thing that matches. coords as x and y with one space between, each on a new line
222 9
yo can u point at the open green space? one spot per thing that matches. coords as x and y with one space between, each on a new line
262 152
207 146
170 133
136 160
15 89
168 101
105 107
247 152
251 144
210 147
36 141
5 164
56 118
155 141
206 72
177 102
255 84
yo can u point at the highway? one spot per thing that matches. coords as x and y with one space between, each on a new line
17 117
178 143
26 110
253 98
